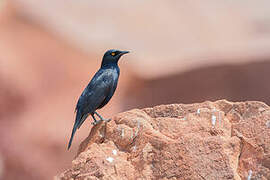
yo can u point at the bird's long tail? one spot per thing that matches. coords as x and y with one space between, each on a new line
72 134
78 122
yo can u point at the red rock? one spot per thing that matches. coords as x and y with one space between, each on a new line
210 140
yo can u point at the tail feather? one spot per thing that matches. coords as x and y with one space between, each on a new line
78 122
72 134
82 120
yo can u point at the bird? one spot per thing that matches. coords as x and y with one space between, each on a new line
99 91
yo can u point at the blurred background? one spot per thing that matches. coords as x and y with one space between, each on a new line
182 52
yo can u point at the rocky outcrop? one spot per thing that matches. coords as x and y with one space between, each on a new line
210 140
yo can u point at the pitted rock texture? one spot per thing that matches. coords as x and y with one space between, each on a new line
210 140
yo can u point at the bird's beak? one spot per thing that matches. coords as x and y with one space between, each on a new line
123 52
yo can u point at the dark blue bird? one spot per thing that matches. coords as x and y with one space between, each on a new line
99 91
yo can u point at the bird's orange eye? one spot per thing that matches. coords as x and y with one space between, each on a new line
113 53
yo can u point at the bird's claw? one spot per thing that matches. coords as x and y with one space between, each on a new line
105 120
96 122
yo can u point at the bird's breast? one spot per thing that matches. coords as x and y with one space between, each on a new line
112 73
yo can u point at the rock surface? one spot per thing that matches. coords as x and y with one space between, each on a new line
210 140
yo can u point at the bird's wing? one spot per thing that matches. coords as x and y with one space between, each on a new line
96 91
93 95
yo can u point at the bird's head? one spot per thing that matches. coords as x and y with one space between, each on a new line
112 56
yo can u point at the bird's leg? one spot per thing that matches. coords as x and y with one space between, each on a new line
101 118
95 120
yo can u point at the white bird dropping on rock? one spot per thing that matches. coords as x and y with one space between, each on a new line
214 118
114 152
110 159
249 175
134 147
122 133
268 124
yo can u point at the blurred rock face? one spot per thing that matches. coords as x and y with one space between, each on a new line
12 100
211 140
232 82
163 36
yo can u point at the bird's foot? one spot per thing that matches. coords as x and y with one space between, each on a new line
96 122
101 118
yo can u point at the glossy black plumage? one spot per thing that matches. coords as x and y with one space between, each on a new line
100 89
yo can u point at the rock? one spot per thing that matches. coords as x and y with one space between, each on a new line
210 140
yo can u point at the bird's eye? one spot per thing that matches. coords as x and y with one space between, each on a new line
113 53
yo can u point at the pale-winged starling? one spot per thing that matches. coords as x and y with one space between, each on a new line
99 91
